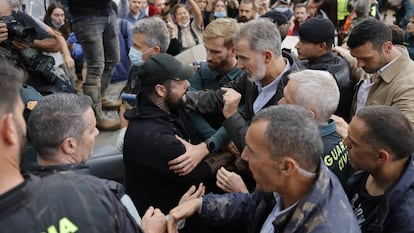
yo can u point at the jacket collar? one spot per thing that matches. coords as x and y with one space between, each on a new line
145 109
296 218
397 66
327 129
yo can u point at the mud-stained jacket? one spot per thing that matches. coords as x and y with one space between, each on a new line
236 126
394 212
325 209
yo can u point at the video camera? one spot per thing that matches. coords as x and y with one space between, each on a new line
17 30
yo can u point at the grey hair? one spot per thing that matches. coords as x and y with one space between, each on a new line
55 118
155 30
262 35
14 3
316 90
292 132
362 8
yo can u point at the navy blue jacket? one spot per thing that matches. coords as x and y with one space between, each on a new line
325 209
395 211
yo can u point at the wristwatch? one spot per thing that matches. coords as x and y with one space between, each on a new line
210 145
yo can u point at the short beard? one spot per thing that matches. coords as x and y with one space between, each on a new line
216 67
242 19
259 73
173 104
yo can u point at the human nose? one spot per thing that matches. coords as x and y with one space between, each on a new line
360 63
244 155
297 45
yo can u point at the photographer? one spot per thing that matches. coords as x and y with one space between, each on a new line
27 40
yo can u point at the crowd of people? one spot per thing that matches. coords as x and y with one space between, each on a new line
255 138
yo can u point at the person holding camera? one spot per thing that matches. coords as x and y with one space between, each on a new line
28 41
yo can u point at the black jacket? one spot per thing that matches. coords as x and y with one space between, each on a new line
78 168
63 201
339 68
148 146
236 126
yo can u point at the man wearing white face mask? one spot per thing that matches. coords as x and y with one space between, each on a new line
150 36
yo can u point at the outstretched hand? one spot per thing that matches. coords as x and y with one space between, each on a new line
193 193
182 211
230 182
154 221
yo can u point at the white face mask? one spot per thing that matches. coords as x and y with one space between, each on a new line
56 25
183 25
135 56
220 14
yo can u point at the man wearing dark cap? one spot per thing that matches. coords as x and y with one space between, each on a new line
159 130
279 20
316 37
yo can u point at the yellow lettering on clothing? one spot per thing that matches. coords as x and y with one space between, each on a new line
65 226
52 229
339 153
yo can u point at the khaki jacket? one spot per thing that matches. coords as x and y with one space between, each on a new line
395 86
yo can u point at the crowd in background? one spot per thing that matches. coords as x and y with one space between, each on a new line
256 137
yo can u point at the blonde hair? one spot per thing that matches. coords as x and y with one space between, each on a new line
222 28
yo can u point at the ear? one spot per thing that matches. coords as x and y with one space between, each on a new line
312 112
69 145
160 90
387 47
383 156
233 52
322 45
156 49
289 166
267 56
8 130
285 165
